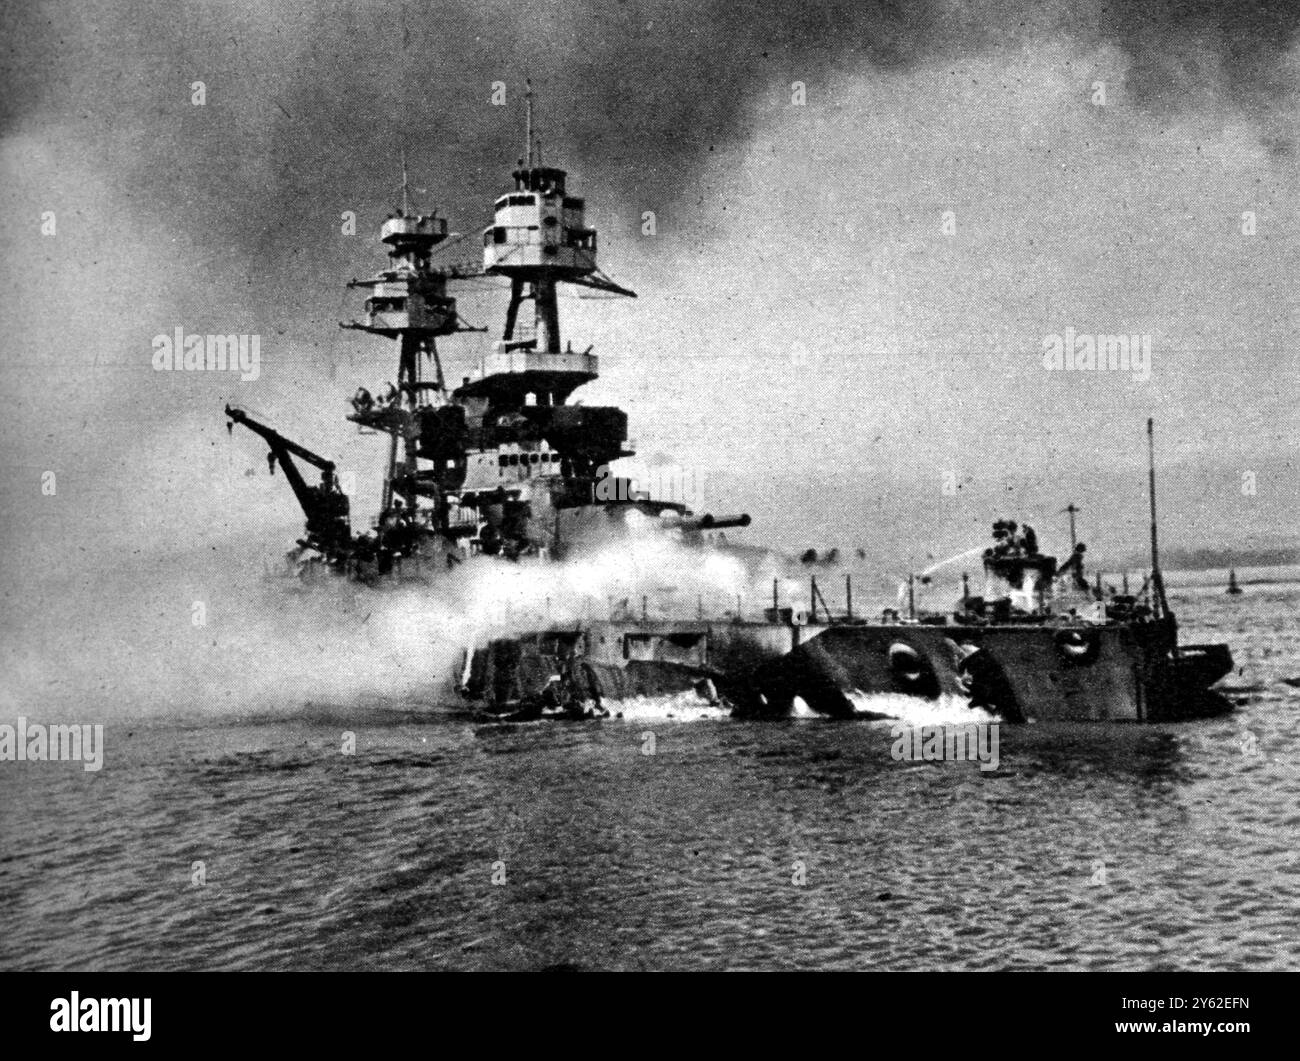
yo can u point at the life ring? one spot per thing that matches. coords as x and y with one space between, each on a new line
906 664
1078 644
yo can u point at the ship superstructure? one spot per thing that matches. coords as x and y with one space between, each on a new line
502 464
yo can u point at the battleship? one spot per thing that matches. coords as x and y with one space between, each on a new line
505 465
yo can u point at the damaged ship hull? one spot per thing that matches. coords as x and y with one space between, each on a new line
1031 672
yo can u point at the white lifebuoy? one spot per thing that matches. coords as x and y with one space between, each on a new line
907 664
1078 644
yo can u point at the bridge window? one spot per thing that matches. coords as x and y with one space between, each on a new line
498 235
583 238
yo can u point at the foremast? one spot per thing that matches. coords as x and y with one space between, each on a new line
408 303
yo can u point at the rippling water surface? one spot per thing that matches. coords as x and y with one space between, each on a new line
1104 847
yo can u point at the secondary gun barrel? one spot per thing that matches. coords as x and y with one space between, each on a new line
708 521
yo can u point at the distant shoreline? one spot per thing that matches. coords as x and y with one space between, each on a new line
1247 576
1219 559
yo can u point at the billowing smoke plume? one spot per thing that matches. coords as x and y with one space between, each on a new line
192 636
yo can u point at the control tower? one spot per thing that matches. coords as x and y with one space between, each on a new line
538 239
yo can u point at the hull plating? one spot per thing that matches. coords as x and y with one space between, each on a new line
1030 672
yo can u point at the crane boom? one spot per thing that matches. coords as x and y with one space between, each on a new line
325 506
277 441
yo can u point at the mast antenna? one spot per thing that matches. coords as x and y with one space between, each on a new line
1072 509
1157 580
528 121
406 187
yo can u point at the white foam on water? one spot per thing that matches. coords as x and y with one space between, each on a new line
678 707
801 709
948 709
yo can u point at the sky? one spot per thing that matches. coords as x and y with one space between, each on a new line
870 221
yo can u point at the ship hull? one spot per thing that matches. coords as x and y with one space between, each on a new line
1020 672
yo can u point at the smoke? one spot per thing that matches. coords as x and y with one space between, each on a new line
221 633
224 635
189 637
641 89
